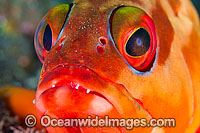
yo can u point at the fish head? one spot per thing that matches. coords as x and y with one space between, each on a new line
121 59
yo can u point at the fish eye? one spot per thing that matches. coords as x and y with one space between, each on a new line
134 35
49 29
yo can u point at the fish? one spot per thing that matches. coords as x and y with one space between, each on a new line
124 59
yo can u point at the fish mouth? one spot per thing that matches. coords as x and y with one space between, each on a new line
78 92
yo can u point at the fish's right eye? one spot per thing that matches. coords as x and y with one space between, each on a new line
49 29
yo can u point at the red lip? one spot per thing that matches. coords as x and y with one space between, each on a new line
77 91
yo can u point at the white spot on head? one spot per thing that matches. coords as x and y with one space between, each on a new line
77 86
88 91
53 86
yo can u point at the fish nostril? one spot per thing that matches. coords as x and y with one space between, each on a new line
100 50
103 41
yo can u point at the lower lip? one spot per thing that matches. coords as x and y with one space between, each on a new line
74 101
67 99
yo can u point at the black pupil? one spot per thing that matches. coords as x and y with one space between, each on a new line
47 39
139 43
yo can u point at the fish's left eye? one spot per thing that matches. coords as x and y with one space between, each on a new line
134 34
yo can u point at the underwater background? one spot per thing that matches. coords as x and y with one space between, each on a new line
19 64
